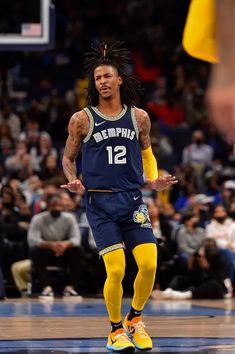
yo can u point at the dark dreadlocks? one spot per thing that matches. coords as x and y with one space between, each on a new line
118 57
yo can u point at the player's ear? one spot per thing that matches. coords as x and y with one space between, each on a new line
120 80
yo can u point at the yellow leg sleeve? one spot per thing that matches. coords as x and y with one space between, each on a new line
115 268
146 258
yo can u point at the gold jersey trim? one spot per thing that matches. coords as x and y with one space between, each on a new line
111 248
100 114
91 125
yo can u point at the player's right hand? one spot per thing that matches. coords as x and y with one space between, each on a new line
74 186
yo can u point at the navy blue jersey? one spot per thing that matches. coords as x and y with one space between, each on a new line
111 155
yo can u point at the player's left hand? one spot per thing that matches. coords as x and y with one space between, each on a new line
163 182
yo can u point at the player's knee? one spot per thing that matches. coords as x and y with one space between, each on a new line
14 269
116 272
148 265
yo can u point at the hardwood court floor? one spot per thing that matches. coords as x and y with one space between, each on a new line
183 325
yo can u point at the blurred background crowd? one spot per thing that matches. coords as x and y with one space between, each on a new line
39 91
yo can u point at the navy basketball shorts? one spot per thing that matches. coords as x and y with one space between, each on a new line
118 220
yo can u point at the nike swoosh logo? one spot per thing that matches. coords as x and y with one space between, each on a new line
135 198
97 124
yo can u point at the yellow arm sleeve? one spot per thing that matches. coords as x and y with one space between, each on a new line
199 39
149 164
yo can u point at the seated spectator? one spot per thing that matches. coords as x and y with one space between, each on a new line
13 231
219 227
11 119
50 170
209 276
48 190
13 163
198 155
2 288
32 190
7 142
43 149
189 238
54 239
228 193
162 230
21 272
31 133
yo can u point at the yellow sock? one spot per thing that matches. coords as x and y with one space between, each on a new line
146 259
115 268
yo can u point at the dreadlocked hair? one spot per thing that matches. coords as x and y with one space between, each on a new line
118 57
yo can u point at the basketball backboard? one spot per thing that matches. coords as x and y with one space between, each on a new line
27 25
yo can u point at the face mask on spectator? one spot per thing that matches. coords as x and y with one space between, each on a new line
220 219
210 253
8 205
55 213
198 141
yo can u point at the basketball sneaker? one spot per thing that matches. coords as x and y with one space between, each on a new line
47 295
136 331
70 293
119 341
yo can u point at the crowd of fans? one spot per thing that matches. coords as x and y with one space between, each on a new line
40 91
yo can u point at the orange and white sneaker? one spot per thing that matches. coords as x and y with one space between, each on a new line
136 331
119 341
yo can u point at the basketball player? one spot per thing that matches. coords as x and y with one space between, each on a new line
209 35
114 137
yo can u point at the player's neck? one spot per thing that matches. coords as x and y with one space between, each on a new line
110 107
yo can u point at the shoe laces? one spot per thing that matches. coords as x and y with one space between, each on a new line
122 337
140 328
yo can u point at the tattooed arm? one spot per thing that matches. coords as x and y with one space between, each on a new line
77 129
149 161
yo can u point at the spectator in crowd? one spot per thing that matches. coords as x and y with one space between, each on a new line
32 190
189 238
198 155
161 228
21 273
13 163
31 134
2 287
51 171
7 142
54 238
48 190
219 227
227 193
13 242
208 278
11 119
163 231
43 149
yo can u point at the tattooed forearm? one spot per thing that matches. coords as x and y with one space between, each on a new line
76 130
69 166
144 126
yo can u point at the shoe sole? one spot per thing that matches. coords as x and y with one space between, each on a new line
127 349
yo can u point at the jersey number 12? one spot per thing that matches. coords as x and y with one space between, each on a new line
116 155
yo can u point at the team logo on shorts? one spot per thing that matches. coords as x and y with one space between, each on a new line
141 216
